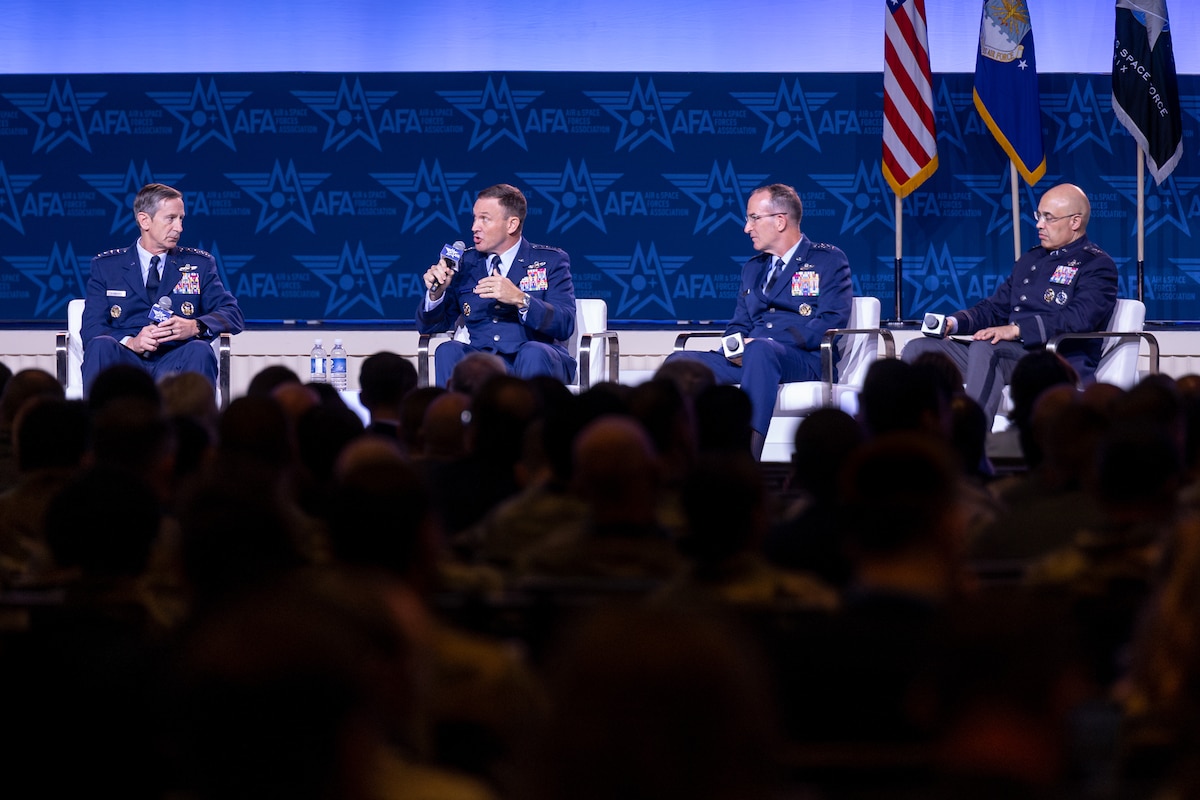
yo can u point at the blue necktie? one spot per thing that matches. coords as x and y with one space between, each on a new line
495 265
776 268
152 279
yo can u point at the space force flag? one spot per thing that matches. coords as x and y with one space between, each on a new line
1145 94
1006 87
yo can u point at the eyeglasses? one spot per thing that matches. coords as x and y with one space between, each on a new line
1039 216
752 218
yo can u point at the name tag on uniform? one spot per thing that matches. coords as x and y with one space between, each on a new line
1064 274
806 283
115 293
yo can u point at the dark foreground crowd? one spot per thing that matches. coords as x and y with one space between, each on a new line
505 590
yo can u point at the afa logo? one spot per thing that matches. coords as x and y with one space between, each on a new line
1080 115
350 112
425 194
865 195
282 195
10 187
350 276
1171 287
494 110
57 276
58 114
937 278
572 193
644 278
721 195
1171 202
121 189
642 113
202 111
788 113
996 192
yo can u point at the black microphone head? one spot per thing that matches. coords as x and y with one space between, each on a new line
165 302
931 320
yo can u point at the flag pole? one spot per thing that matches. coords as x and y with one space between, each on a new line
1141 222
1016 210
899 263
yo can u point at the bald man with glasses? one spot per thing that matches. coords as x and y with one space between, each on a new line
1066 284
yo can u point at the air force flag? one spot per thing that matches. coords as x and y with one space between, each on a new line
1145 93
1006 87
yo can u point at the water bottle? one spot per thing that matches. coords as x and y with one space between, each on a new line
316 362
337 366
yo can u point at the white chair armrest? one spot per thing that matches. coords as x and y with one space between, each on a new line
827 365
1148 338
224 349
584 367
60 357
682 339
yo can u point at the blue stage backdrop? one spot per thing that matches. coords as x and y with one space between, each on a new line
325 196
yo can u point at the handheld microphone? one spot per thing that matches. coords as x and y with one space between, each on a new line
451 256
934 325
733 345
161 311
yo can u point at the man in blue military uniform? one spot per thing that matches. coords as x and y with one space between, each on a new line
515 298
790 294
124 321
1066 284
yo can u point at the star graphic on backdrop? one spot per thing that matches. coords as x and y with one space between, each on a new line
10 187
1080 114
642 113
1164 204
494 112
573 194
642 277
948 105
865 195
350 277
349 112
121 189
202 112
282 194
996 191
788 114
58 114
58 277
425 194
935 276
721 195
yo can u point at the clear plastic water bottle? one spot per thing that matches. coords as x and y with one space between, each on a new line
337 366
317 364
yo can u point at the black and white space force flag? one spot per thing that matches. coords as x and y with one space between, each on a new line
1145 94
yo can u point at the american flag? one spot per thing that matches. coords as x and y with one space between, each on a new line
909 138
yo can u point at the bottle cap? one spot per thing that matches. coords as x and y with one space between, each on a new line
318 341
337 342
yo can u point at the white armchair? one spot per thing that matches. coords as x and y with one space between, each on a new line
68 354
595 348
858 347
1120 359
